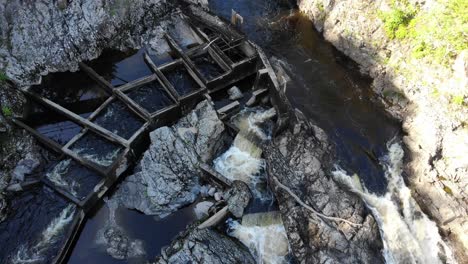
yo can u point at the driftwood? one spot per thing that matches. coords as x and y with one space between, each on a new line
215 219
309 208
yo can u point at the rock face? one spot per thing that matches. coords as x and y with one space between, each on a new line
419 93
206 246
238 197
300 159
47 36
167 176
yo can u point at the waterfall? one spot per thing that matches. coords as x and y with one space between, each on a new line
50 236
409 236
242 161
264 235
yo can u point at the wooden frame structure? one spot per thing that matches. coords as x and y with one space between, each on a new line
181 103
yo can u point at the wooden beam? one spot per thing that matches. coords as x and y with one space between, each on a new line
110 89
56 147
162 79
137 83
215 175
215 219
185 58
80 120
98 78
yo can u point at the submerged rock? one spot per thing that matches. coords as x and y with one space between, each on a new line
205 246
167 176
235 93
299 160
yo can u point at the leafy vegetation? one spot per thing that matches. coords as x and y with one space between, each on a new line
3 77
7 111
438 33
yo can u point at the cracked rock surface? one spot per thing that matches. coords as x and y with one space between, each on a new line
300 159
206 246
167 177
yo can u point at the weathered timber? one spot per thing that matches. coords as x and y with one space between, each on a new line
78 119
163 80
228 110
215 219
215 175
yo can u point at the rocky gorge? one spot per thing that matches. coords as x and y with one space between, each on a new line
418 90
288 200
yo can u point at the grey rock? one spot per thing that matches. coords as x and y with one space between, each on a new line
218 196
3 208
299 159
49 36
167 176
238 197
117 242
212 191
235 93
205 246
24 167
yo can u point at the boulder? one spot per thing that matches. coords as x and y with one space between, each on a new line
300 159
167 177
205 246
235 93
238 198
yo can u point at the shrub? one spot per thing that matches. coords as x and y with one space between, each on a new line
7 111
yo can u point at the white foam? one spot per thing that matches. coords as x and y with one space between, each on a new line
48 237
409 236
269 244
55 176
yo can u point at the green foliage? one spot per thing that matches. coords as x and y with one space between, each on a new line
437 34
458 99
3 77
7 111
440 34
398 18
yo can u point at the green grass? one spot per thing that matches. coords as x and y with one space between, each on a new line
437 35
458 99
7 111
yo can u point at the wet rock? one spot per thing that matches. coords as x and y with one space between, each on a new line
205 246
117 243
238 198
167 176
25 166
218 196
235 93
3 208
300 159
202 208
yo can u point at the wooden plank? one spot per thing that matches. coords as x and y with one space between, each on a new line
84 162
98 78
215 175
137 83
185 58
109 88
56 147
215 219
137 109
162 79
80 120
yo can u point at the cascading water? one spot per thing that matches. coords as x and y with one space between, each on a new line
49 236
265 236
242 161
409 236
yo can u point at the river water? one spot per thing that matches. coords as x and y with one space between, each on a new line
325 85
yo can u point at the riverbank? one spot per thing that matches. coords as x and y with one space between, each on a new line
425 90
